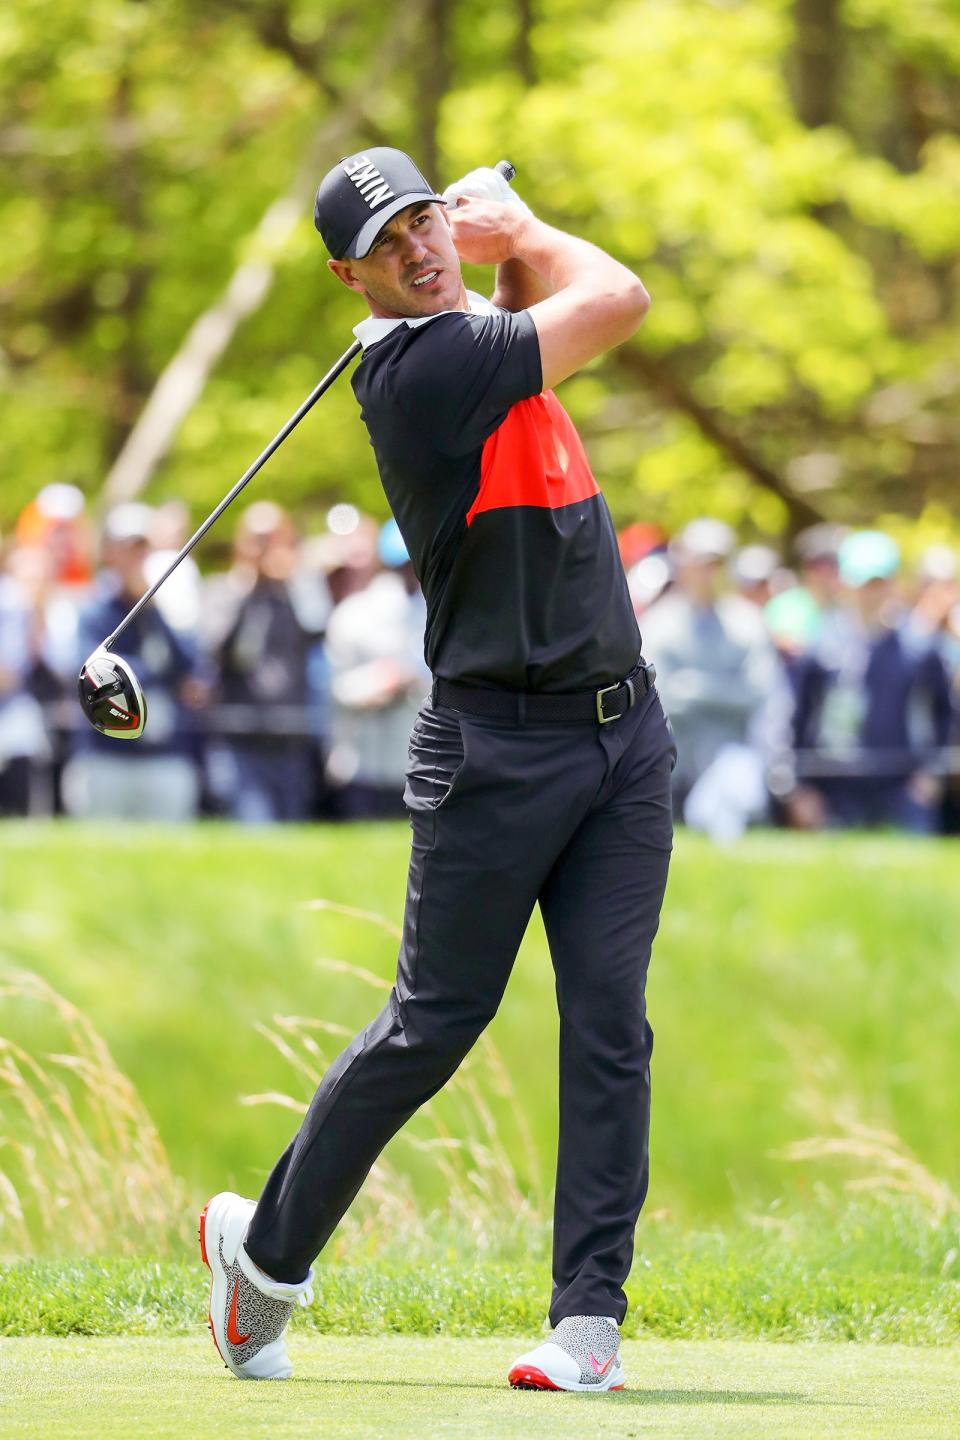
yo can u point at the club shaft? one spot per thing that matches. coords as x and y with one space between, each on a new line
228 499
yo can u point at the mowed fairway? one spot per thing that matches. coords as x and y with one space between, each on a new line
400 1387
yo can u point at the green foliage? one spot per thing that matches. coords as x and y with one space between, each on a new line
805 290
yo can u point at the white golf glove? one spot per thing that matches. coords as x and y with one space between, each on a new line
485 183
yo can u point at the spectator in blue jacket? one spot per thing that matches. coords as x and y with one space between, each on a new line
155 777
262 621
873 710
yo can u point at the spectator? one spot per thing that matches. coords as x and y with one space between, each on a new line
873 714
156 778
719 678
935 601
262 620
179 599
647 580
635 542
375 648
935 619
25 749
755 570
818 551
56 523
346 553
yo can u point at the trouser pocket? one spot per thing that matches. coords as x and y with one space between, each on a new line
435 759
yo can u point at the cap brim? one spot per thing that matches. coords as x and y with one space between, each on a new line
360 244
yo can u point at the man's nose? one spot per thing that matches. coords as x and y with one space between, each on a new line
413 247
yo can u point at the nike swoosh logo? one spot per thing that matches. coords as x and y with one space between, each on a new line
602 1369
233 1333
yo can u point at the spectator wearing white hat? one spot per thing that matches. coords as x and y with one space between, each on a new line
717 672
157 778
375 649
756 569
26 752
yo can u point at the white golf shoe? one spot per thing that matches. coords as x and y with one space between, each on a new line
248 1311
583 1353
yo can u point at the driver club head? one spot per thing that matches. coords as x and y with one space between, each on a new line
111 697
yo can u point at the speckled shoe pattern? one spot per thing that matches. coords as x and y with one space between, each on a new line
583 1353
248 1312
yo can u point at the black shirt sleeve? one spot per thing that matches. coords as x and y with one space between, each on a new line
461 373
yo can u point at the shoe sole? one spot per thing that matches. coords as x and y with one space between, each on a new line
528 1377
202 1233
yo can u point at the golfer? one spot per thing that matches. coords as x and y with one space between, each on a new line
539 768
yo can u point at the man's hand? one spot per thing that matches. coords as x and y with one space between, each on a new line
485 231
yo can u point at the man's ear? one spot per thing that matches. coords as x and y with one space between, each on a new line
344 273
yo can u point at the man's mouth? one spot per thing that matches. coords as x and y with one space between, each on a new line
427 278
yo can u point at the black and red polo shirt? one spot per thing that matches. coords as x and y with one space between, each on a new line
490 485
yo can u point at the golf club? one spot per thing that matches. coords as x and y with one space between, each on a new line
111 696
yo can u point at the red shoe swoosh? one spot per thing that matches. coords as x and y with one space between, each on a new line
602 1369
233 1334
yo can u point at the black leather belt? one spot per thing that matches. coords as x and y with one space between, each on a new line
601 706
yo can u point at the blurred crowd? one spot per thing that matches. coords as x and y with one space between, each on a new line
812 688
282 688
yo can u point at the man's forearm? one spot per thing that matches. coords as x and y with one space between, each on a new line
560 260
594 304
518 287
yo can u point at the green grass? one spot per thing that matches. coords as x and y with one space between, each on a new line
796 979
856 1272
802 987
363 1389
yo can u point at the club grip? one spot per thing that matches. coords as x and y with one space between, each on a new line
506 169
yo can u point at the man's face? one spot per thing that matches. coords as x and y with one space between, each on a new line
874 598
412 269
699 576
126 558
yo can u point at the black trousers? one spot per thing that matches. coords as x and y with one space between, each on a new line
573 815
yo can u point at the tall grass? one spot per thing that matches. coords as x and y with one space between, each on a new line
82 1167
871 1159
487 1210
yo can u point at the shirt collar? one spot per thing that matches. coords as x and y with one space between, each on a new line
373 329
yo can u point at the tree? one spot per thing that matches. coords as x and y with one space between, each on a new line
785 176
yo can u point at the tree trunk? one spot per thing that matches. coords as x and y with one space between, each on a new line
815 66
433 82
132 377
678 396
522 49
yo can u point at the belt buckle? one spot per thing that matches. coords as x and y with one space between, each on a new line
601 718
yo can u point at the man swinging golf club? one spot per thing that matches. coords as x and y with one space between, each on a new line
539 768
